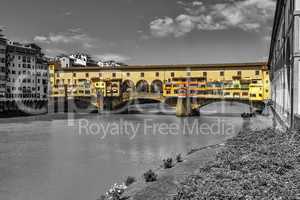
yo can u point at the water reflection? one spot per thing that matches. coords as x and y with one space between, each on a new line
44 158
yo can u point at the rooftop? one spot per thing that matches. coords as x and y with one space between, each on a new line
171 66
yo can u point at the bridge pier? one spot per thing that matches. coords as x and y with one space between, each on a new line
184 107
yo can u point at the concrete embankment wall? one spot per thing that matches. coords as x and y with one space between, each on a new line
23 108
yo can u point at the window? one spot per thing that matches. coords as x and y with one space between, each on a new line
239 73
74 74
172 74
157 74
188 73
127 74
100 75
87 75
257 73
205 74
222 73
114 75
142 74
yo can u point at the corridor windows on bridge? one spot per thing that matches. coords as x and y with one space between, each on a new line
188 73
142 74
87 75
74 74
128 74
239 73
172 74
157 87
257 73
114 75
157 74
142 86
222 73
204 74
128 86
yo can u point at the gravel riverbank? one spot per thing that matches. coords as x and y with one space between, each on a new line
258 163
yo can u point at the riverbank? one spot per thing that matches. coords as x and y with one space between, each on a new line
257 163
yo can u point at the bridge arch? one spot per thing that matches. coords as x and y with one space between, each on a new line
128 86
156 87
142 86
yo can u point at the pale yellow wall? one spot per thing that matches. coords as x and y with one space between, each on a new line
67 77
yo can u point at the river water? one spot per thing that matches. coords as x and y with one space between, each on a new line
65 157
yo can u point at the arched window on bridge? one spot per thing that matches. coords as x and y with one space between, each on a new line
142 86
128 86
157 86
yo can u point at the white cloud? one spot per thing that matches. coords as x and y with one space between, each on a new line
247 15
68 13
74 40
197 3
162 27
41 39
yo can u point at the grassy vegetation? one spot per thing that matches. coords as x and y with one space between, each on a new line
253 165
150 176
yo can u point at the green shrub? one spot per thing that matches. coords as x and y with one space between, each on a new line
150 176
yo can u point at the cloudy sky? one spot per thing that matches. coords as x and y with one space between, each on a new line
145 31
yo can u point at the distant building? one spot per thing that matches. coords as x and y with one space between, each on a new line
2 68
27 72
65 62
110 63
284 62
84 60
79 60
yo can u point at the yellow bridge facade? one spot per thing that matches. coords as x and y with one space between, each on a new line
238 82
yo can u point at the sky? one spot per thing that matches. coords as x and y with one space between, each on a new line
145 31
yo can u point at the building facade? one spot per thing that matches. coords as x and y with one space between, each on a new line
2 68
241 80
284 62
27 72
23 76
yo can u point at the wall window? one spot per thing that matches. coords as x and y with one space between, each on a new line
157 74
257 73
100 74
222 73
114 75
142 74
86 75
74 74
204 74
188 73
127 74
172 74
239 73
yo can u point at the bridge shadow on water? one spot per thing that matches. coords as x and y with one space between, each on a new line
222 108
